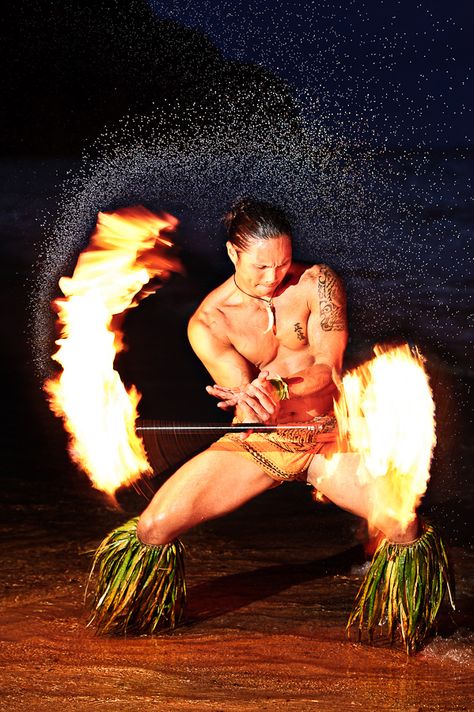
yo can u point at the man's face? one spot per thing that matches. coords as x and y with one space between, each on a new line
261 267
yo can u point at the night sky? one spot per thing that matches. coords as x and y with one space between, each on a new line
396 57
401 68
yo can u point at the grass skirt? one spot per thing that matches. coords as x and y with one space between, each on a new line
140 588
403 589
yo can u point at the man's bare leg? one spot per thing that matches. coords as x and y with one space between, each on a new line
342 486
389 596
210 485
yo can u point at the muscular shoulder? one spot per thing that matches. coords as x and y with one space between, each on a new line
208 319
317 279
325 279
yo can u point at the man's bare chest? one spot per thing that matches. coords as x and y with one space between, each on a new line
247 329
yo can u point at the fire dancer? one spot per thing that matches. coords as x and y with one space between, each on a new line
272 337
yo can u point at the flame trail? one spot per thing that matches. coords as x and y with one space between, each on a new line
127 250
385 413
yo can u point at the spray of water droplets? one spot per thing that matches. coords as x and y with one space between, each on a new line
313 139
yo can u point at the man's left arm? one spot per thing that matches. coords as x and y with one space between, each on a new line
327 333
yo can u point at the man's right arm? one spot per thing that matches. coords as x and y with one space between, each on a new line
227 367
230 370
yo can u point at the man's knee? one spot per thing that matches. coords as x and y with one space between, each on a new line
154 528
397 532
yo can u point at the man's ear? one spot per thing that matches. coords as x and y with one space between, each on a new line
232 252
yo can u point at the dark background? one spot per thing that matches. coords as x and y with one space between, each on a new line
72 68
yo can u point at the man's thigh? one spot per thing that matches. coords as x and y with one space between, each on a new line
209 485
339 479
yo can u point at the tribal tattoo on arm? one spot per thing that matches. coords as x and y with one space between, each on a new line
331 300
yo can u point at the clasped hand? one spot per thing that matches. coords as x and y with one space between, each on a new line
256 402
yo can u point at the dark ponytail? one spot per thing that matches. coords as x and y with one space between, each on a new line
249 219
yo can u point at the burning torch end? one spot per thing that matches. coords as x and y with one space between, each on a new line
111 501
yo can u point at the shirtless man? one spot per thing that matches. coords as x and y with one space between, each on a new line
272 318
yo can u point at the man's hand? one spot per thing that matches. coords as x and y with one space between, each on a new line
257 402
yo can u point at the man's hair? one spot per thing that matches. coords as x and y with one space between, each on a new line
249 219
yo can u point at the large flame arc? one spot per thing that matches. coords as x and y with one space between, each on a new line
127 249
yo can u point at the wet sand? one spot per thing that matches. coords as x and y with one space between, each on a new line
270 587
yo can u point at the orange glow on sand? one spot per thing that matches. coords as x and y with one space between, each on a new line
385 413
127 250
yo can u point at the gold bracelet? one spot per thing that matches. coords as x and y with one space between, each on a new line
281 387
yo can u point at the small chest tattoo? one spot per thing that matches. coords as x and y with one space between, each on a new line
298 329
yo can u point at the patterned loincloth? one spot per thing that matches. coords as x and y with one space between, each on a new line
283 454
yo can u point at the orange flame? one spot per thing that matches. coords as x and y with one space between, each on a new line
385 413
126 251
